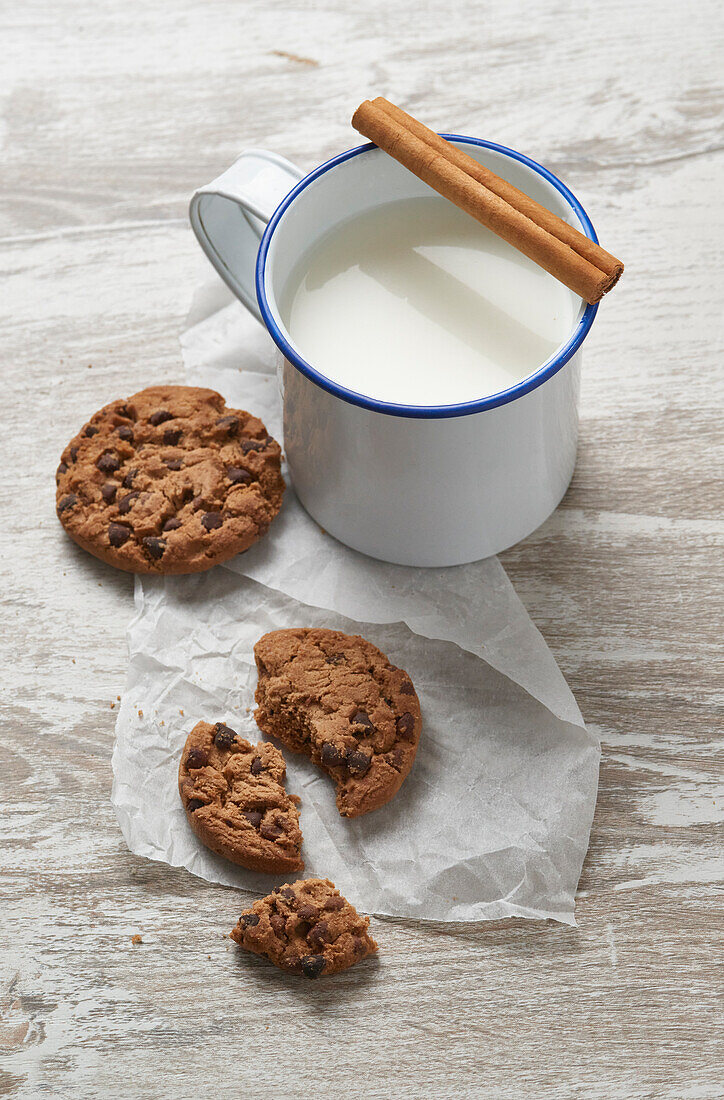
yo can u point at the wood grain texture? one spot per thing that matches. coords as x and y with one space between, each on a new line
111 114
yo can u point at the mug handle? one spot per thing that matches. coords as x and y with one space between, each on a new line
229 215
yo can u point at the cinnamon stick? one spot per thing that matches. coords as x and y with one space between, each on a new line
579 263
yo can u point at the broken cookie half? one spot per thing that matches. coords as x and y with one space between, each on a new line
306 927
234 796
338 699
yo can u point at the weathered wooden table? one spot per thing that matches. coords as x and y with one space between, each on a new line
111 114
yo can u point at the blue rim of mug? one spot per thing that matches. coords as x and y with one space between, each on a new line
421 412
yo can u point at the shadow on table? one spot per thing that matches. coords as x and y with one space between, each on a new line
537 939
318 994
92 571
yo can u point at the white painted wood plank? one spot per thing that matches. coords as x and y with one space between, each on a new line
110 115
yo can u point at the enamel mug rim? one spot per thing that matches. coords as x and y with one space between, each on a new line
423 412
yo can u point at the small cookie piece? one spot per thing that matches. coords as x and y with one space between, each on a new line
234 797
338 699
169 481
306 927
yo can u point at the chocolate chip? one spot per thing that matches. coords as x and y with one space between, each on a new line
196 758
124 504
361 718
406 688
224 737
288 893
160 417
229 424
334 658
74 452
308 912
171 525
154 547
125 433
128 479
256 766
125 411
278 923
253 817
271 832
248 445
90 430
237 475
62 469
108 463
118 533
173 463
194 804
358 762
212 520
359 945
335 902
405 726
171 436
197 503
67 502
312 965
320 934
250 919
331 756
108 492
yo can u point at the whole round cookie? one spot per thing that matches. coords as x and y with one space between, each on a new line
169 481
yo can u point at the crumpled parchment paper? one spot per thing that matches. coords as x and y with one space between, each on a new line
495 817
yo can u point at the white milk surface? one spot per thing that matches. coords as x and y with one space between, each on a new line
417 303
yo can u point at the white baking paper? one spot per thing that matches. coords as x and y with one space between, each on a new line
494 819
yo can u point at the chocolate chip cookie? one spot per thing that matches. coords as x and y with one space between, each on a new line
169 481
338 699
234 797
306 927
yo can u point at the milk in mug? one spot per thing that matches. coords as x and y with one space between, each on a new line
416 303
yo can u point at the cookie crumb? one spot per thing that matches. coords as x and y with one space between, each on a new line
140 714
181 713
135 940
112 706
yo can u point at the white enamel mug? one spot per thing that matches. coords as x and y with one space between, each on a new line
430 486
